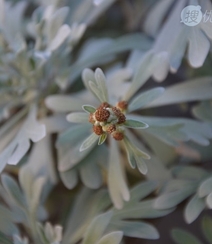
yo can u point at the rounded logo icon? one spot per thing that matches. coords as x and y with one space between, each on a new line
191 15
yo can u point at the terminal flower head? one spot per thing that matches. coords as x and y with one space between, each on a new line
107 119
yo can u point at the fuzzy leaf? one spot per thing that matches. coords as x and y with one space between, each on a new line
140 210
88 75
96 202
60 37
136 150
69 178
13 190
116 179
102 138
64 103
77 117
188 172
97 228
209 200
135 124
31 130
112 238
203 111
69 157
142 190
192 90
171 199
7 227
137 229
96 91
55 22
205 188
26 179
134 156
199 47
130 156
193 209
141 76
41 234
37 188
88 108
101 83
185 129
141 165
145 98
73 135
49 232
91 173
89 142
109 47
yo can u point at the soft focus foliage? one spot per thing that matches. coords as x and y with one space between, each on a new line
92 149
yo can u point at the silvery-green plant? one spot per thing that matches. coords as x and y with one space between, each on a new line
174 39
104 120
137 161
30 71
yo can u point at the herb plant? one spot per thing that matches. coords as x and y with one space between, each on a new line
93 150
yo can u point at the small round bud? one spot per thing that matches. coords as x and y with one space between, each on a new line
122 105
121 119
104 105
120 116
111 128
102 114
118 135
97 129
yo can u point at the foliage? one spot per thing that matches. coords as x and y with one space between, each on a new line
92 148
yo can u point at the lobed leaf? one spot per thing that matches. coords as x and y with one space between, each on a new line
55 22
62 34
96 91
30 130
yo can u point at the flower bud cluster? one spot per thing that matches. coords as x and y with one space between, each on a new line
108 119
